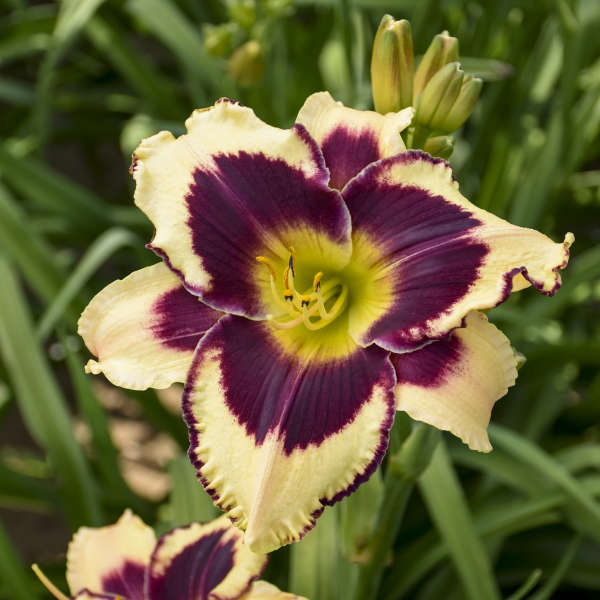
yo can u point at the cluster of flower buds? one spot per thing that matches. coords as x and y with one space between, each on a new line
246 63
441 93
246 37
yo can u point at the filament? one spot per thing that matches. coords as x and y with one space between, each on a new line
48 584
302 306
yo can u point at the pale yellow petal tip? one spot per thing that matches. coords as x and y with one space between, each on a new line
321 98
321 101
569 239
129 515
149 145
475 439
223 106
262 590
479 443
93 367
260 543
403 117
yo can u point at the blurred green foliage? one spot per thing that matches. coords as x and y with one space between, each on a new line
83 81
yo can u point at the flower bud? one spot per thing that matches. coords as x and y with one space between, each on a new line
442 50
218 39
392 64
247 64
243 12
441 146
464 104
439 96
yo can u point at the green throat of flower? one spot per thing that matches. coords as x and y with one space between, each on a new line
315 307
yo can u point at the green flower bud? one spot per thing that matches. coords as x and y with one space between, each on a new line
441 146
218 39
247 64
442 50
392 64
438 97
464 104
243 12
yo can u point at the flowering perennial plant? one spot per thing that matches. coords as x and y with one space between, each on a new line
313 281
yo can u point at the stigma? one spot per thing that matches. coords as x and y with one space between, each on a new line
307 307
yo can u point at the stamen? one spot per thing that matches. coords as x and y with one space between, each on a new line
283 305
307 322
292 261
336 309
291 309
317 281
286 274
286 324
48 584
288 281
299 305
265 261
320 302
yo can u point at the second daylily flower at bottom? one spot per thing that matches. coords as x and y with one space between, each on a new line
124 561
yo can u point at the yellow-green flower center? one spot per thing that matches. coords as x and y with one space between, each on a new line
315 307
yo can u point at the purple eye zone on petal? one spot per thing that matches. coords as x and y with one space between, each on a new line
347 152
245 198
195 571
181 319
308 404
430 366
429 244
127 581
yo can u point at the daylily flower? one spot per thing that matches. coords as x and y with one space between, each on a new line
125 561
316 275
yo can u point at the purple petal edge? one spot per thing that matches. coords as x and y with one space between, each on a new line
411 156
508 278
317 153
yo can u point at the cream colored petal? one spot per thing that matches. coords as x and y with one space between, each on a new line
453 384
143 329
262 590
231 189
97 555
351 139
202 560
299 433
433 256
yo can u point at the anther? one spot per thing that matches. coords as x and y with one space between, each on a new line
317 281
292 261
288 295
267 263
305 300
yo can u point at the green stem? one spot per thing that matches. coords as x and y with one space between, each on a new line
403 470
420 136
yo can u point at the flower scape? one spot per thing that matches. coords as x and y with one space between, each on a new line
313 281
